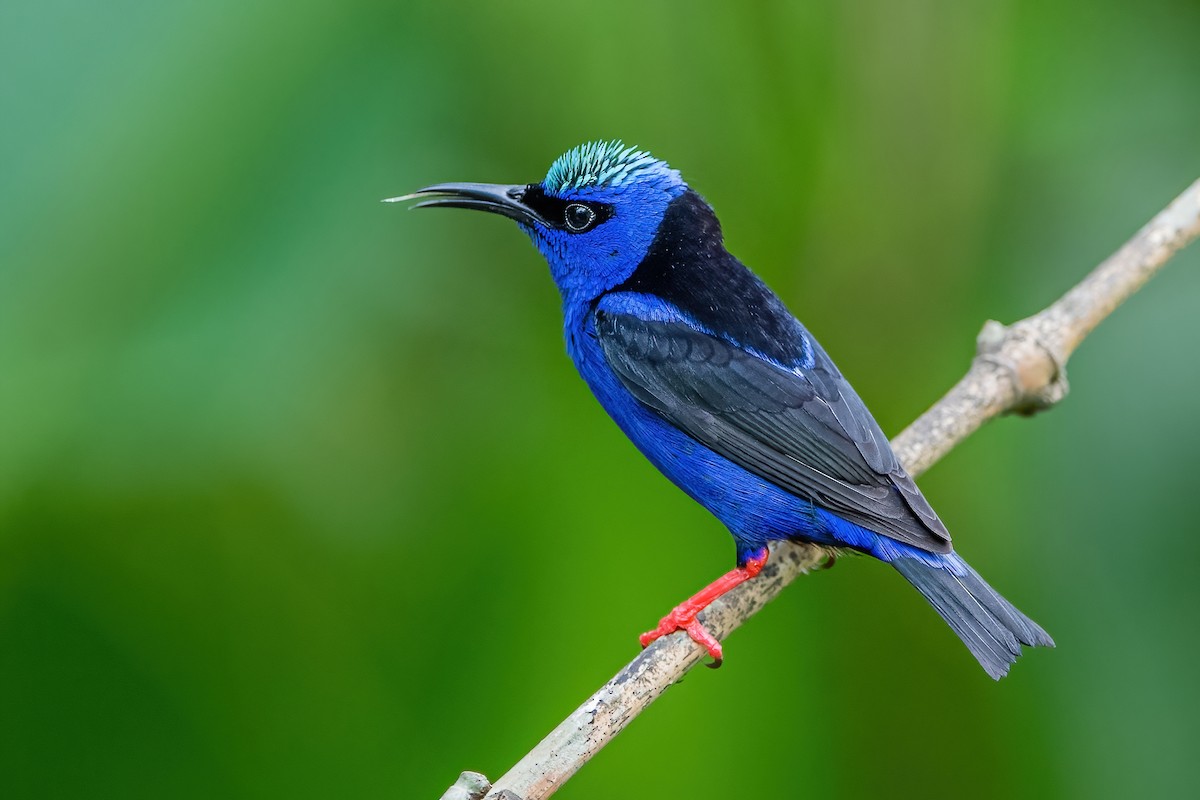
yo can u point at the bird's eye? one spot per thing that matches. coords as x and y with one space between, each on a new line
578 217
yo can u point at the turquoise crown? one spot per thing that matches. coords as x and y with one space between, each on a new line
601 165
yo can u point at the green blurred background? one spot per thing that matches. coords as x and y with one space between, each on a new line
300 497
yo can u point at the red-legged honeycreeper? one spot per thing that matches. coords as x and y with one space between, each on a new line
714 380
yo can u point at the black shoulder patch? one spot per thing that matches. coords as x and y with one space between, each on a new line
688 266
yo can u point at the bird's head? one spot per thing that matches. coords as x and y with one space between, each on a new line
593 217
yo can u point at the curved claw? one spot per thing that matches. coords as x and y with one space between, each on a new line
702 637
676 621
683 616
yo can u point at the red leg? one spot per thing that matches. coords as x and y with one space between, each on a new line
683 616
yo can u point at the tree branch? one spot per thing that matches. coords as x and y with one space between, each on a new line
1022 367
1019 368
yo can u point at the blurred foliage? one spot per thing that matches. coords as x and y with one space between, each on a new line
299 496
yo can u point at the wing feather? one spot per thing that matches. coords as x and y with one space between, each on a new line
806 430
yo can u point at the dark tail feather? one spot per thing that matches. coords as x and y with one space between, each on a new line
991 628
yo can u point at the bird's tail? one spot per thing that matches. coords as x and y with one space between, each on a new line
990 626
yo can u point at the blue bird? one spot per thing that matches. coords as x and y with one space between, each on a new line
715 382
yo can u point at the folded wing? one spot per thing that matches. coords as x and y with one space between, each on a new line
805 430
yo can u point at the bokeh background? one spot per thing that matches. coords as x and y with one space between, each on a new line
300 496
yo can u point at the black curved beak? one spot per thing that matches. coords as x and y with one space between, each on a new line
494 197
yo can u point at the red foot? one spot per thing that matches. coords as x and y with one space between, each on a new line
683 616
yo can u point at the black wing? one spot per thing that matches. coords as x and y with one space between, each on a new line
808 433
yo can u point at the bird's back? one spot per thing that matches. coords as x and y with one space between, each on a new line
688 266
